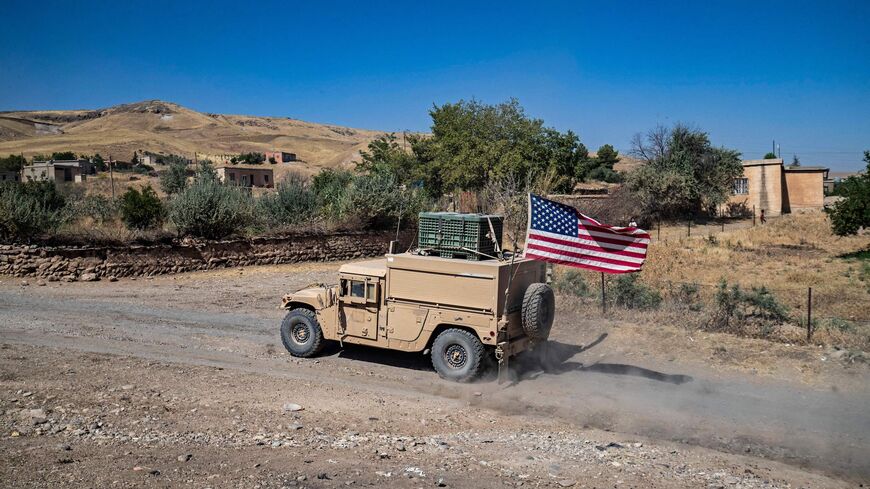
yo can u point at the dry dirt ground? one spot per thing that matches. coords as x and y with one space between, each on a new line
182 381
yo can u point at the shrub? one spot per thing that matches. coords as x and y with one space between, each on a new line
141 209
374 200
97 207
210 209
763 304
330 187
688 295
30 209
736 309
174 179
293 202
571 282
633 295
841 325
377 201
604 174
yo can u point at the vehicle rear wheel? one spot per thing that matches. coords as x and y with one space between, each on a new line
458 355
301 333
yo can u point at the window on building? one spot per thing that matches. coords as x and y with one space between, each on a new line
232 176
741 186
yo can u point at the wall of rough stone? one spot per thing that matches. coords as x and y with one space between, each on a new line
81 263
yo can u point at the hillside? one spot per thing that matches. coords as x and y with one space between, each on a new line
165 127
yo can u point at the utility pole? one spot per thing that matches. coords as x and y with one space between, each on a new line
112 176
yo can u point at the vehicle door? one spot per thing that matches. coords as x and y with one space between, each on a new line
358 306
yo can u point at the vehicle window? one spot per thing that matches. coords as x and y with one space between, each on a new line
370 292
357 289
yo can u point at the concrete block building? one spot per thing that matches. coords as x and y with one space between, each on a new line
247 177
770 186
58 170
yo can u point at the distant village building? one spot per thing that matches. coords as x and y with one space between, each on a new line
776 189
58 170
149 160
246 177
279 156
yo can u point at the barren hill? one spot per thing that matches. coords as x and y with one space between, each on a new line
165 127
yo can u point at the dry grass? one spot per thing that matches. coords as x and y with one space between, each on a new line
786 255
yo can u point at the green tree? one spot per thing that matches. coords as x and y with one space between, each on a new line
12 163
770 156
141 209
852 213
473 142
63 155
684 173
174 179
135 159
607 156
384 154
795 161
250 158
99 162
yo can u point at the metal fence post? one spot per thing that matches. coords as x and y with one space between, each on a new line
809 313
603 296
659 236
689 228
753 215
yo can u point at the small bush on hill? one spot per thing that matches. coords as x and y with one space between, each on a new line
209 209
30 209
571 282
738 310
141 209
630 294
293 202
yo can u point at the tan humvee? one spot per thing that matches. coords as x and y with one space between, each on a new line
456 309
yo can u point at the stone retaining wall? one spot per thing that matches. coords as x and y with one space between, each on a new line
92 263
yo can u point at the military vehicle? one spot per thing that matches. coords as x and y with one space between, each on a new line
466 313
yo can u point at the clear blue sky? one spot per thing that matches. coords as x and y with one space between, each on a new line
746 72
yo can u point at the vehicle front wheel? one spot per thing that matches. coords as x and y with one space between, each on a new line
301 333
458 355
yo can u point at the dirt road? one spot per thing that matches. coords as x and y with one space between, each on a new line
182 380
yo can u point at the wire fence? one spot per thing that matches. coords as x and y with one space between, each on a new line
705 228
839 313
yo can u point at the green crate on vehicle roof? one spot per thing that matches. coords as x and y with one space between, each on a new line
454 234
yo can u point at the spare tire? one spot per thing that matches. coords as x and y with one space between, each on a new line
539 308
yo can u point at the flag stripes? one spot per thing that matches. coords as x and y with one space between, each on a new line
558 233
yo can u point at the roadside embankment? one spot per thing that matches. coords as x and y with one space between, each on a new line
88 263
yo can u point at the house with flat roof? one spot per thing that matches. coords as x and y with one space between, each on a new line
769 186
246 177
279 157
58 170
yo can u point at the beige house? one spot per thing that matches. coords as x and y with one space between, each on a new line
246 177
58 170
770 186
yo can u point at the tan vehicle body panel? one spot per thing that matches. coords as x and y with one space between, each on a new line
399 301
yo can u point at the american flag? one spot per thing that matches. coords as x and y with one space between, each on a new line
557 233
